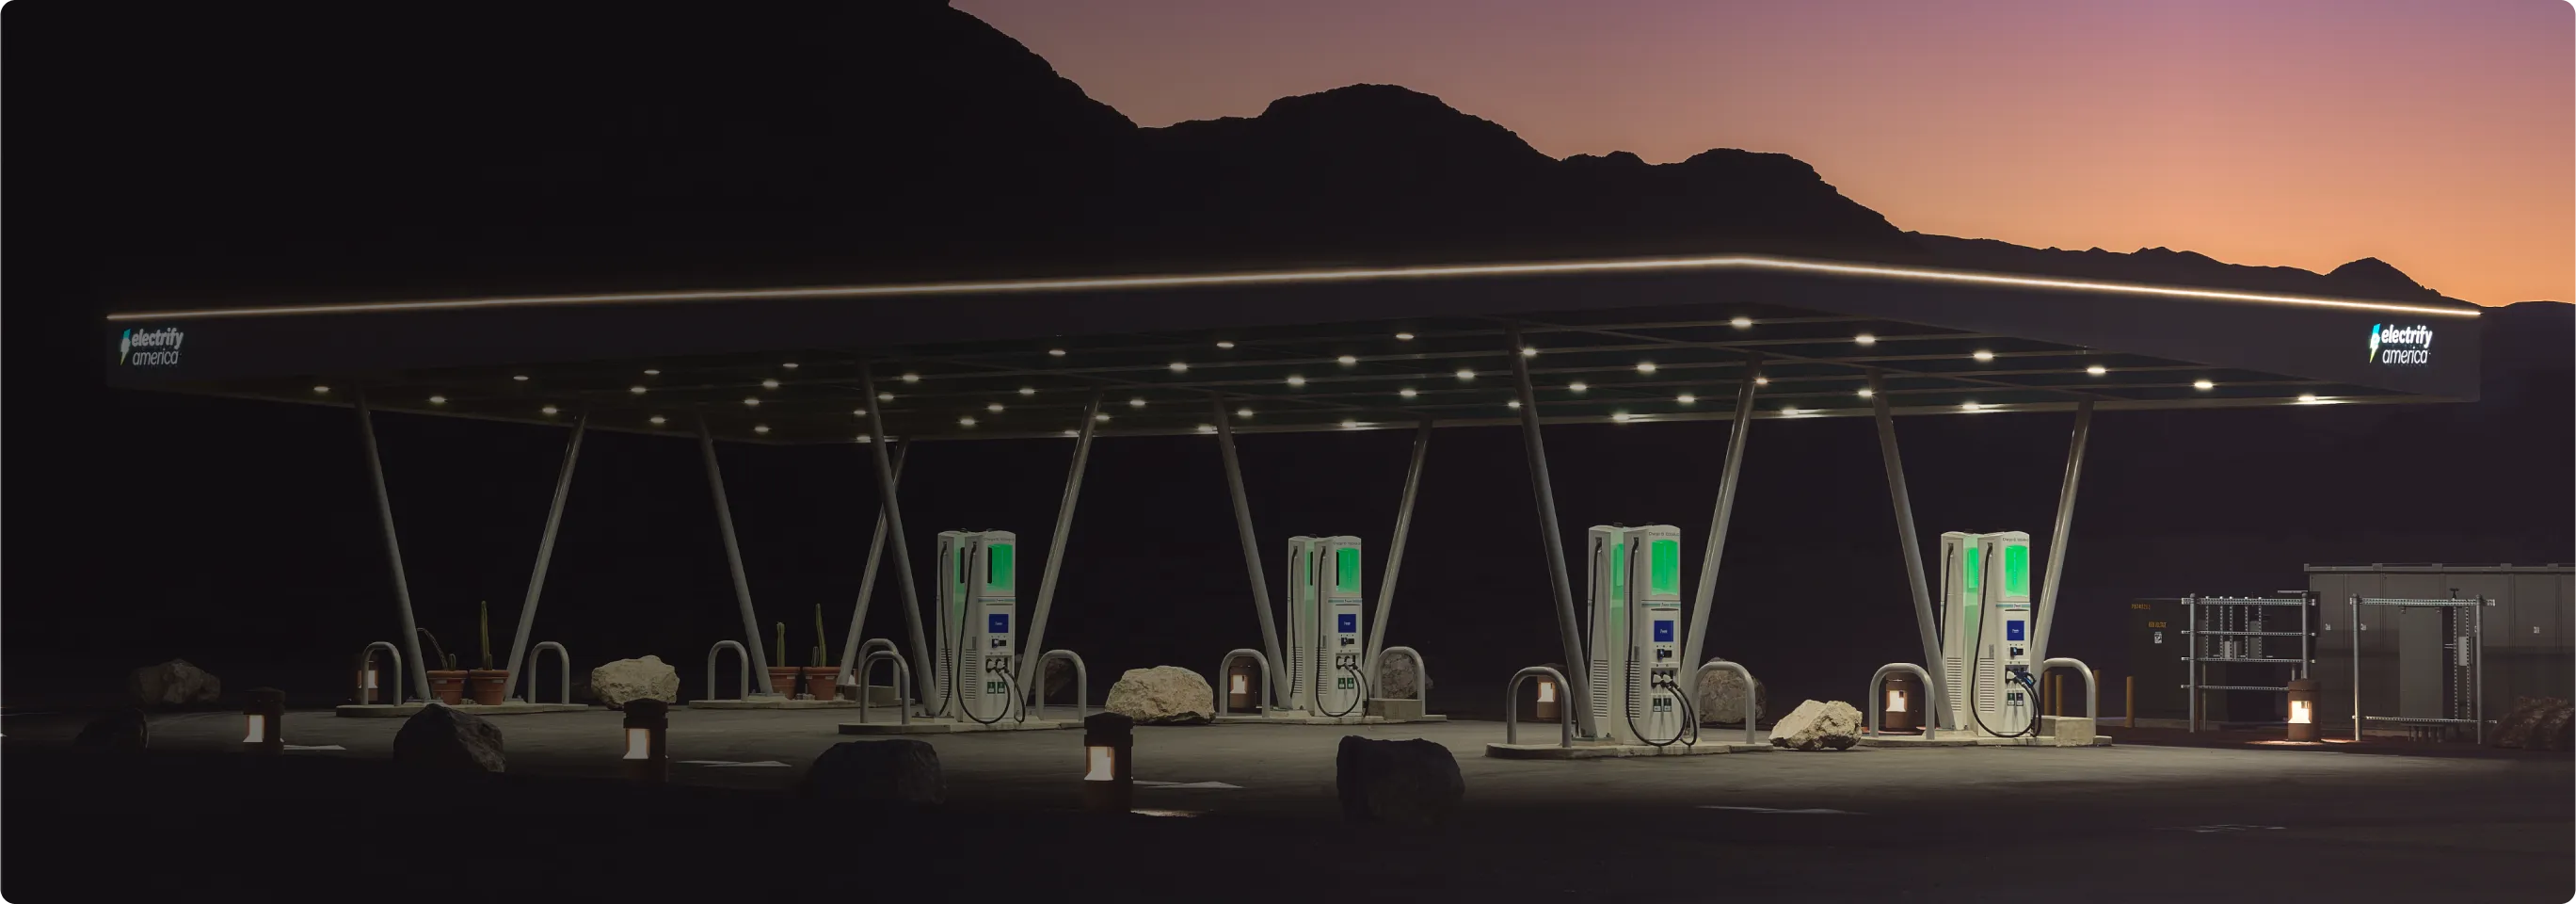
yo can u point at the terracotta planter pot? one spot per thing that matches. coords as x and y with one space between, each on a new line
447 685
823 681
784 678
488 685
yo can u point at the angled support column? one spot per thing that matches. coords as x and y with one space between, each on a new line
1736 433
1552 537
545 554
393 547
1036 646
868 582
1395 551
1251 543
733 558
922 672
2057 537
1913 548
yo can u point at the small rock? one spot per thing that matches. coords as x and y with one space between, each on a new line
1413 783
614 683
444 739
176 683
1163 695
123 731
1817 725
1398 678
900 770
1721 698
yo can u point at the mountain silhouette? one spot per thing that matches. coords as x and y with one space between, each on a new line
312 153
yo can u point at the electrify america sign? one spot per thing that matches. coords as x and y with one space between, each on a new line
150 348
2401 346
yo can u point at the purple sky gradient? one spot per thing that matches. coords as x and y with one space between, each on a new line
2438 136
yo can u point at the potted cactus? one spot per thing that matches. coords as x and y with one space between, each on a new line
446 683
489 685
783 678
822 679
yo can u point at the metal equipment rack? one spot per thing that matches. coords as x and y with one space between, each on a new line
2465 651
2239 635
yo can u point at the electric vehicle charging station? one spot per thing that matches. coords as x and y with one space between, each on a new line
1327 669
2003 697
1985 632
976 668
1634 591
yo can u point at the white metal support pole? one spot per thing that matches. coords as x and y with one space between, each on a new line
1036 647
1736 433
545 554
1251 544
1553 538
1905 536
1395 553
922 678
868 582
733 559
393 547
2057 537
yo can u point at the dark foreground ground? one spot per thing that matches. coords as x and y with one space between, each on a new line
2126 823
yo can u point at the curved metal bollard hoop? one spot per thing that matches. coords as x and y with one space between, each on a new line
367 659
1752 704
1512 710
740 657
1871 703
2090 693
536 656
1421 672
1081 681
1228 662
902 680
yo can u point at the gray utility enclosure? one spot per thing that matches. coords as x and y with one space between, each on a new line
2404 671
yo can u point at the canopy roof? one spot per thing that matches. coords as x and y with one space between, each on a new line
1634 340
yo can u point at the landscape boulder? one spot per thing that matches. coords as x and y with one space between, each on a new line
1818 725
2517 728
896 771
1721 698
174 684
649 678
1410 783
2556 731
1059 679
1163 695
122 731
443 739
1398 678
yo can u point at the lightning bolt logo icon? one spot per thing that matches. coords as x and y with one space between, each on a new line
2374 340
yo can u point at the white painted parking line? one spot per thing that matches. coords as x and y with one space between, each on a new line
319 747
1813 810
749 765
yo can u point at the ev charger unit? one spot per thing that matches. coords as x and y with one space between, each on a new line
977 601
1985 632
1633 593
1325 674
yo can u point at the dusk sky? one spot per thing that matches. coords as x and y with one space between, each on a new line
2438 136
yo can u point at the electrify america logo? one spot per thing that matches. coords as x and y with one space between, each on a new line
2401 345
150 348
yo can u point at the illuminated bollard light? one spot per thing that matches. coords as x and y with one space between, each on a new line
1108 745
2303 709
1898 712
648 756
264 722
1546 709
